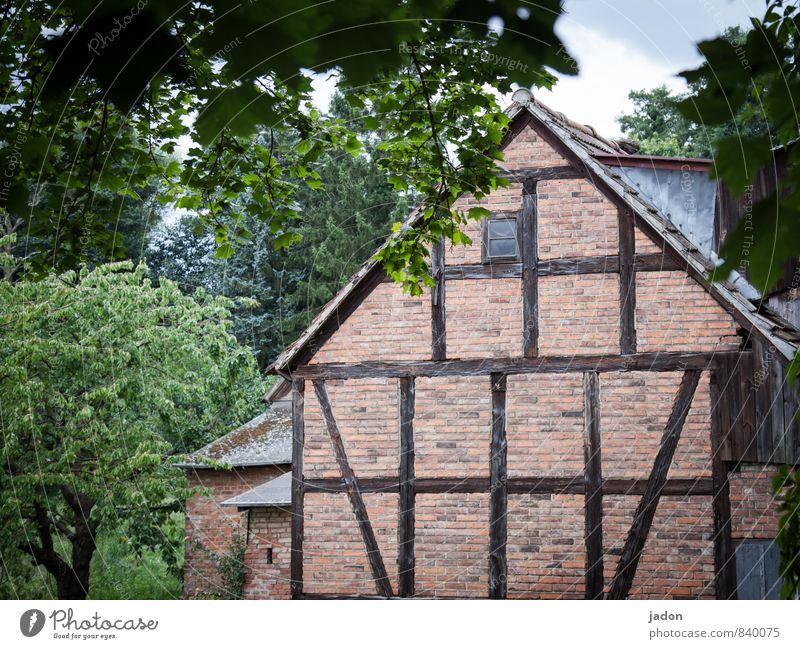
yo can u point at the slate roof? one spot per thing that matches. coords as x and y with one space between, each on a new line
589 148
273 493
264 440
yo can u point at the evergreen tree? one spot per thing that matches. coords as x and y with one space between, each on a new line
347 214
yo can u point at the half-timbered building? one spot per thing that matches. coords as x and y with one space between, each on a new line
574 411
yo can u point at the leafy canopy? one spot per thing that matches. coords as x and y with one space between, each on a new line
101 95
761 70
105 379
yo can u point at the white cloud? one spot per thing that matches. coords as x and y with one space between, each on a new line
324 85
609 69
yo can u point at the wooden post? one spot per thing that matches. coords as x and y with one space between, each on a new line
627 283
498 498
438 314
643 518
406 523
298 491
530 280
377 566
724 561
593 485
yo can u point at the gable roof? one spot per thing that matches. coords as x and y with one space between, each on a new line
586 148
264 440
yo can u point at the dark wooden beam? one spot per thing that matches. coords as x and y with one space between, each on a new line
578 266
530 281
298 443
645 512
643 361
494 270
593 484
724 561
498 495
516 486
377 566
599 264
438 317
538 174
407 504
656 261
627 283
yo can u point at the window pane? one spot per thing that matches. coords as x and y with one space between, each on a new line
506 228
503 248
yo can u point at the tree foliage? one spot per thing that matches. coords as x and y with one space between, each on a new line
100 95
105 379
346 220
659 127
762 69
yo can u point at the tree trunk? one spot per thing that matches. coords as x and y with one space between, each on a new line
73 583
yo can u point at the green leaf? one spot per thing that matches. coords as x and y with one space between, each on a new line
352 145
239 108
478 213
285 240
398 182
738 159
762 257
225 251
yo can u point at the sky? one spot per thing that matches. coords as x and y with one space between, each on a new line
623 45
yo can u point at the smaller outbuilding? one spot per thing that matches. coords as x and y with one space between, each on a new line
246 508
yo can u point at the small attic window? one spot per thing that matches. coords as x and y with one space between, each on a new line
501 239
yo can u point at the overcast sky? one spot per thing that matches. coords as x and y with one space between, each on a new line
624 45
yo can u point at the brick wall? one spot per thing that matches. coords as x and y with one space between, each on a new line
452 545
544 424
385 314
334 556
366 411
452 426
634 408
575 220
675 313
210 527
484 318
546 554
678 557
753 514
578 314
268 555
